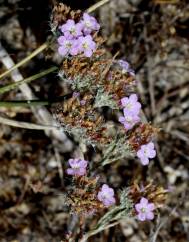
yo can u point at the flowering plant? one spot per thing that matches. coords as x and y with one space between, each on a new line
97 83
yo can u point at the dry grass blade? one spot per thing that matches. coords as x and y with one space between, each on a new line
25 60
26 125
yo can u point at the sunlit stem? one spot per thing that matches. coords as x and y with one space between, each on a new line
26 80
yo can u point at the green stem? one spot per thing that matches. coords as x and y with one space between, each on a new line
33 103
25 60
27 103
26 80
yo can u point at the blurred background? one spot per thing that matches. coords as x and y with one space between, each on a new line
153 36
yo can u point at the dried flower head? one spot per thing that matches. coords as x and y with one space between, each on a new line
82 196
82 120
61 13
154 193
142 134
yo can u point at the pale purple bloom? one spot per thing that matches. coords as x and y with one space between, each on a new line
144 210
106 196
89 24
76 94
124 64
131 104
83 102
78 167
71 30
146 151
129 119
86 45
67 46
126 67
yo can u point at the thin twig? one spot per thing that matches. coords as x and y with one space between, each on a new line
154 237
97 5
27 80
59 165
26 125
25 60
93 232
32 102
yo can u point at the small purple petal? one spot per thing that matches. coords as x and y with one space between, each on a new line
106 195
70 171
124 101
151 206
121 119
138 207
141 216
152 154
133 98
144 201
149 216
62 51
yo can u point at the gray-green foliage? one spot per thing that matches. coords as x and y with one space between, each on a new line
116 150
113 216
103 99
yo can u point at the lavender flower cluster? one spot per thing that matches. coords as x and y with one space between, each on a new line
106 195
131 110
77 38
79 168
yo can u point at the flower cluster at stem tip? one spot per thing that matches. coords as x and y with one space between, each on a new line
77 37
78 168
131 111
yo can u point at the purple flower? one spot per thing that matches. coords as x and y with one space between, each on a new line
86 45
131 104
67 46
83 102
89 24
146 151
126 67
129 119
76 94
144 210
124 64
71 30
106 196
78 167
